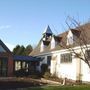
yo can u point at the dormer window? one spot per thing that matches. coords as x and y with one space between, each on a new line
72 36
42 47
70 39
55 40
44 44
53 43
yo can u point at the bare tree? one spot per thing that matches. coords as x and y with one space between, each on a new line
81 41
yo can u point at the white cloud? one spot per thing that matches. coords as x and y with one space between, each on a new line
8 26
5 27
10 46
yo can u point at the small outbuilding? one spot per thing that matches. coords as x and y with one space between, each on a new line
6 61
28 63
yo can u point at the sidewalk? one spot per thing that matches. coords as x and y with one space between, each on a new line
27 79
50 81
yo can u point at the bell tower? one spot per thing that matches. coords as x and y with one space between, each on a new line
47 33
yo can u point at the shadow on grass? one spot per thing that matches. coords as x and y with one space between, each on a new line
13 85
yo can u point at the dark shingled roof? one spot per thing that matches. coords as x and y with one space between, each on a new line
76 32
26 58
46 42
57 38
4 46
82 31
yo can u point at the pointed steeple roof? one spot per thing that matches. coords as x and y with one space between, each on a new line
47 30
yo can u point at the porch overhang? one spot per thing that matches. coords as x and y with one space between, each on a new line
26 58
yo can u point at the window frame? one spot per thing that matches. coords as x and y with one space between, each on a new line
49 60
70 40
66 58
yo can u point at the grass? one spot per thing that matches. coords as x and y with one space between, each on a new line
79 87
30 84
15 83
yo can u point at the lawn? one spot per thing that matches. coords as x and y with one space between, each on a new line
15 83
82 87
31 84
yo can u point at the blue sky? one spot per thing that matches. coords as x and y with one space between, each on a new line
23 21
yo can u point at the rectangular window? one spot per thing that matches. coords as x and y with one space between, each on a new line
3 66
69 40
49 60
66 58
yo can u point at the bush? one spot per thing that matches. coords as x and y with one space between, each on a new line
21 73
47 75
35 75
44 68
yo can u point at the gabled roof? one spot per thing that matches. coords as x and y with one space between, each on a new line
57 38
81 32
4 46
47 30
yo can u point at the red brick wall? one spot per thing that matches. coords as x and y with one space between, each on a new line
10 63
